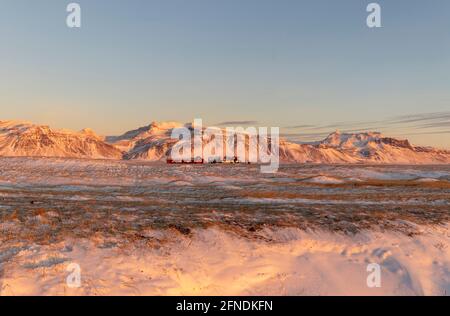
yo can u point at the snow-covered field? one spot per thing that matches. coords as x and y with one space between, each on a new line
138 228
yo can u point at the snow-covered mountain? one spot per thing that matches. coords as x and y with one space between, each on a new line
27 139
370 147
154 142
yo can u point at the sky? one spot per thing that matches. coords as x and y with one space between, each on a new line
308 67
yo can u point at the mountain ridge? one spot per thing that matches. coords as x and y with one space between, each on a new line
153 143
25 139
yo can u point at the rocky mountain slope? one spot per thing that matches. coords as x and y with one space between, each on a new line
153 143
362 148
27 139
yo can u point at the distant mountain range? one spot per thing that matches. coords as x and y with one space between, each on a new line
153 143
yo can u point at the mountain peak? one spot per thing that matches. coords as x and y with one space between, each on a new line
346 140
89 132
14 123
164 125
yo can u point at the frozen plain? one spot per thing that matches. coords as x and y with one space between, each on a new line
139 228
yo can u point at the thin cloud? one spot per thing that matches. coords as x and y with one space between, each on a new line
435 123
431 133
300 126
421 118
305 135
410 124
244 123
337 126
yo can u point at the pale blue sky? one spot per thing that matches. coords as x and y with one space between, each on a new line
307 66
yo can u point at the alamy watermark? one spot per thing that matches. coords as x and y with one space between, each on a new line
374 18
73 20
230 145
374 278
73 280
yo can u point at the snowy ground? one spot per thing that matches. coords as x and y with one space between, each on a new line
139 228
